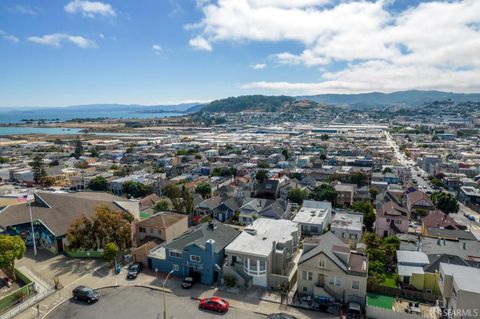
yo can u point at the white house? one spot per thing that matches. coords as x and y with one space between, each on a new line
313 217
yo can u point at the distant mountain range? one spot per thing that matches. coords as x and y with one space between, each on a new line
406 98
261 103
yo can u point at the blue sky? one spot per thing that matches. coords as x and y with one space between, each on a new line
55 53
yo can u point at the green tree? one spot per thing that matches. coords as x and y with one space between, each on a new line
11 248
358 178
285 153
78 148
98 184
324 137
106 226
187 199
136 189
161 205
93 152
446 202
110 252
373 192
261 176
204 189
38 168
324 192
173 193
366 208
297 195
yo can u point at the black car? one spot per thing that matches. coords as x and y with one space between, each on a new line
188 282
86 294
281 315
133 270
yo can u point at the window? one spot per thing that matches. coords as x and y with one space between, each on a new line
322 263
398 222
195 258
353 236
307 275
355 284
175 267
305 289
337 282
142 229
388 220
175 254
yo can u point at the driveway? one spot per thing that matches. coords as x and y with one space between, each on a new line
48 266
136 302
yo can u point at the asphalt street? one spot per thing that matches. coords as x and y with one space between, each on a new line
136 302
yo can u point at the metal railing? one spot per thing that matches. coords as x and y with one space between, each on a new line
26 304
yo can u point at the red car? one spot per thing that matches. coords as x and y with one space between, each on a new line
214 303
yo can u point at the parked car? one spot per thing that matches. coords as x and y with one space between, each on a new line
280 315
354 311
470 217
188 282
215 304
85 293
134 270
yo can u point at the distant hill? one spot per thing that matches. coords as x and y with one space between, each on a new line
407 98
245 103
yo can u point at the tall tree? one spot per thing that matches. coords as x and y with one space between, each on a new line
358 178
188 205
98 183
366 208
78 148
323 192
204 189
446 202
104 227
285 154
173 193
136 189
11 248
38 168
297 195
261 176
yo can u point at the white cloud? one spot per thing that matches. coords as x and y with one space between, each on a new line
436 40
24 9
90 8
57 39
199 43
157 49
258 66
9 37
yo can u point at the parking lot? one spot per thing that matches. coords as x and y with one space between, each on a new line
136 302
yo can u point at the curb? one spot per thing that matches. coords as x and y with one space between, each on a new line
61 303
153 288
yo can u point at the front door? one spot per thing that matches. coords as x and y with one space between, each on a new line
60 245
321 280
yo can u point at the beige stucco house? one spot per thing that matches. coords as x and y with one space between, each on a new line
329 269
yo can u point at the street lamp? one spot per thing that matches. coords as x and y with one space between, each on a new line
164 300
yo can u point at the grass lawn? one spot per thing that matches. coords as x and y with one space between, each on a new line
389 281
380 301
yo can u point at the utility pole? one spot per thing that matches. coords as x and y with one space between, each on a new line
164 299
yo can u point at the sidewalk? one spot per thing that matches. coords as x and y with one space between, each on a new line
257 300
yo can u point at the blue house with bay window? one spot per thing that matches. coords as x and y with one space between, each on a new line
199 253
